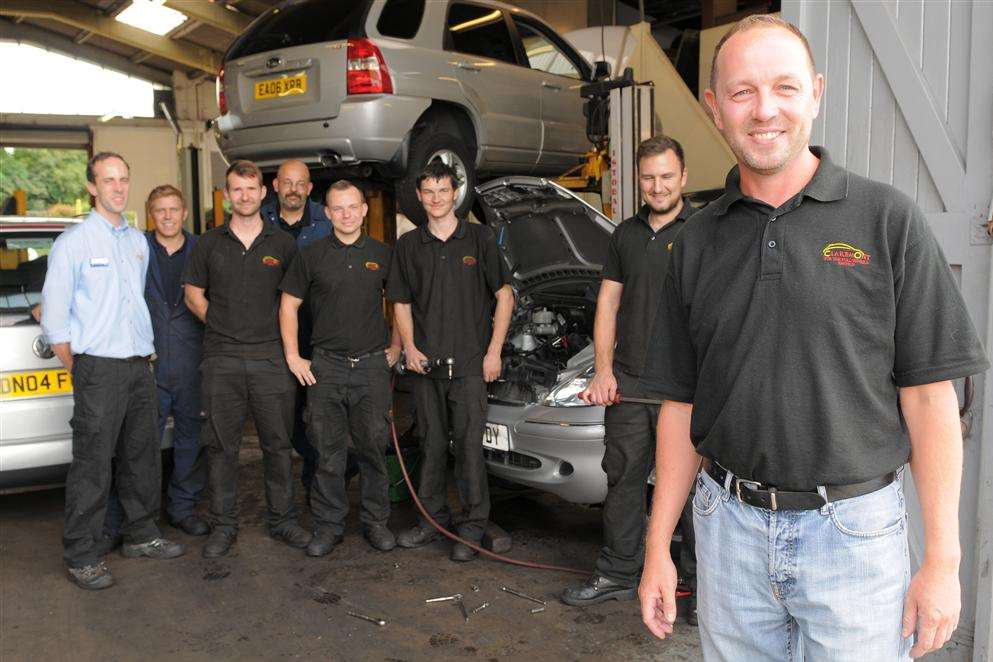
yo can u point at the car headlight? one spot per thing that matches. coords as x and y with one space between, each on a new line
567 394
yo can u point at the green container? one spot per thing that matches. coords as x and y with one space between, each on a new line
398 487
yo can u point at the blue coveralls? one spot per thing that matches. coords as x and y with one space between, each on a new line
179 350
319 227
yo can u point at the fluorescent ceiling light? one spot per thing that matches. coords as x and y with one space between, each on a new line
152 16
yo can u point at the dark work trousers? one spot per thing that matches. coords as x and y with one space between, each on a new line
114 416
232 389
628 459
349 399
457 405
301 444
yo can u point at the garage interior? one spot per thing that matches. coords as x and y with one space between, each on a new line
263 602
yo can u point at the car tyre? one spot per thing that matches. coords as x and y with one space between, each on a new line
425 146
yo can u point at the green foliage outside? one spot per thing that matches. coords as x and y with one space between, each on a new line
54 180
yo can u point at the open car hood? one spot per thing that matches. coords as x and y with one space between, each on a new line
544 231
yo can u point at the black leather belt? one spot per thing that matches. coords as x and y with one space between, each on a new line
769 497
351 359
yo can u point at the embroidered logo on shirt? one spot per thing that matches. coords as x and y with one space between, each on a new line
372 266
668 247
469 261
845 255
270 261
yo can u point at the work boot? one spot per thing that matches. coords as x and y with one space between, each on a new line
691 617
323 542
380 537
108 543
157 548
417 536
597 589
91 577
218 543
192 525
462 553
292 534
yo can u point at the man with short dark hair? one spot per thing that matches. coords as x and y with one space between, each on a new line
305 220
443 281
348 381
96 320
239 266
637 259
809 325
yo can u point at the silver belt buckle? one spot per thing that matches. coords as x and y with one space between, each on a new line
737 486
352 362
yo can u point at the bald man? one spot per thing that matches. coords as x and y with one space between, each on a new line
305 220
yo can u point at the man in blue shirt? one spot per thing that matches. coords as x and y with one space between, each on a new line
95 317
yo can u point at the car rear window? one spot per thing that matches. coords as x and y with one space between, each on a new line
23 263
401 18
300 23
478 30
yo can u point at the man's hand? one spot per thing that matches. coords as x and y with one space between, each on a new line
602 389
932 607
392 355
657 594
300 367
492 367
415 360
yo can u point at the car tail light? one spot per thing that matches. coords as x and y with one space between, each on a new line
222 98
366 70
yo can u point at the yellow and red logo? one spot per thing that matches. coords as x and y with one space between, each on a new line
469 261
372 266
270 261
845 255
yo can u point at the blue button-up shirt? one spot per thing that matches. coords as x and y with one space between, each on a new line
94 294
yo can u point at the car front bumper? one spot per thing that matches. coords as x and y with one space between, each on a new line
554 449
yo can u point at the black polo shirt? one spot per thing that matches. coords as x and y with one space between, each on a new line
171 268
243 289
791 329
344 284
294 229
638 258
450 286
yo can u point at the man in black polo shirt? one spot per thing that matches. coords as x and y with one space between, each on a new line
806 314
444 278
232 282
637 259
348 381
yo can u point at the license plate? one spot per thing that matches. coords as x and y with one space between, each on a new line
496 437
281 87
34 384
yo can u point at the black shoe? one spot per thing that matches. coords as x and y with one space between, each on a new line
107 544
292 534
193 525
417 536
691 612
157 548
91 577
380 537
597 589
462 553
323 542
218 543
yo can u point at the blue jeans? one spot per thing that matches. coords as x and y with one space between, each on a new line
814 585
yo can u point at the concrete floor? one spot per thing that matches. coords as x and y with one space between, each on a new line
266 601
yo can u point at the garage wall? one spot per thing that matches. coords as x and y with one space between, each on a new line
909 101
151 153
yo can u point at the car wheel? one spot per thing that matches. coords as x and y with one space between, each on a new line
426 146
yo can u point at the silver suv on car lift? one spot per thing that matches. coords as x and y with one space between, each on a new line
381 87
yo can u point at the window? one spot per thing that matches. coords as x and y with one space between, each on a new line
480 31
543 54
401 18
301 23
23 262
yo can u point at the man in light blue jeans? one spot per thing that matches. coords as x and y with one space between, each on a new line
807 315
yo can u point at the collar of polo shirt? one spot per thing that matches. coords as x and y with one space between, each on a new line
338 243
426 235
828 184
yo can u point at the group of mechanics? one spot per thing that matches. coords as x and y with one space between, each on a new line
793 329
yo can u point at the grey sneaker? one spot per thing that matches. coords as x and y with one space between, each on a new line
158 548
91 577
